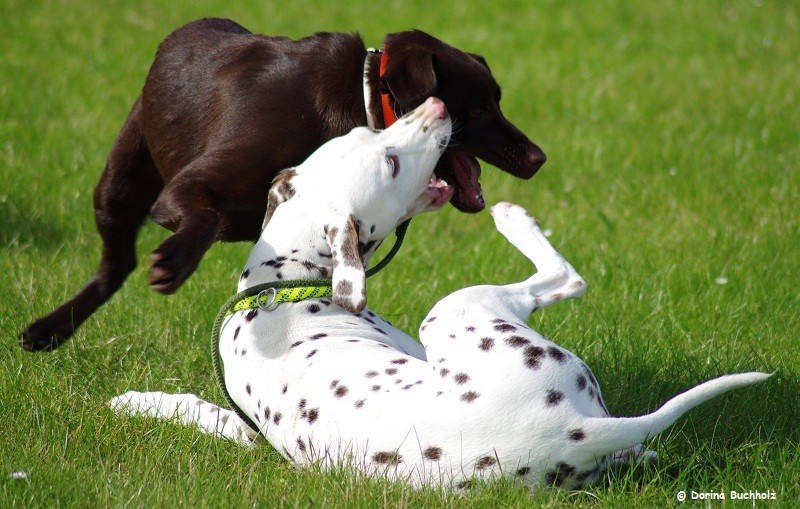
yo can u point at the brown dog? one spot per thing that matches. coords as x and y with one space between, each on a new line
223 110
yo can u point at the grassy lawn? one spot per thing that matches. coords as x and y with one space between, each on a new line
673 136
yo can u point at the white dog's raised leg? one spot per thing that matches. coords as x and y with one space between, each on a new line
187 409
554 281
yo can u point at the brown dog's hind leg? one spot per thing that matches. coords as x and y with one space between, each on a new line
127 189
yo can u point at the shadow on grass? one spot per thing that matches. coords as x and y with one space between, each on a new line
21 228
734 431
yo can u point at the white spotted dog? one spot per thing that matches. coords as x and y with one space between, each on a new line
328 382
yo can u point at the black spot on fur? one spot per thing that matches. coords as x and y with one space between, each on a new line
277 418
432 453
470 329
387 458
236 332
317 336
469 396
559 476
486 344
557 354
250 315
577 435
504 327
523 471
266 414
375 388
334 383
248 389
461 378
371 374
554 397
312 415
311 354
444 372
399 361
485 462
302 404
313 308
296 343
285 388
340 391
581 382
301 445
517 341
590 375
360 403
391 371
245 274
533 356
380 331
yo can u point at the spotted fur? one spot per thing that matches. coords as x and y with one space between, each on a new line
482 397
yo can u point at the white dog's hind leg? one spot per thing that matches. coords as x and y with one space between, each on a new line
555 279
186 409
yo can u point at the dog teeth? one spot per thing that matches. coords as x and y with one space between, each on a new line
439 183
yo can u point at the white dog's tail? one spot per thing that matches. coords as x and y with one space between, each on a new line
606 435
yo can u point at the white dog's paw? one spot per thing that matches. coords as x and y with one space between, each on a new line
125 403
636 455
507 214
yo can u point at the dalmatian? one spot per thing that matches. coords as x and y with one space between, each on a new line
328 382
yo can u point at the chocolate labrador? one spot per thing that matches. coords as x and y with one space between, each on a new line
223 110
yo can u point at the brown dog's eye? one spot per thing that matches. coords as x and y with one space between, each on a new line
394 164
479 112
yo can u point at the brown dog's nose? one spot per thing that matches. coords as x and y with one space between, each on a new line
536 158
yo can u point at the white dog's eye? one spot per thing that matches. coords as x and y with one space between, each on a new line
394 164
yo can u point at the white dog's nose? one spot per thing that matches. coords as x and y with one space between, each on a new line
435 107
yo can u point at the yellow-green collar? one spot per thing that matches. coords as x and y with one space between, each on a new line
269 298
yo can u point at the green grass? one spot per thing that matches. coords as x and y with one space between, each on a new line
672 133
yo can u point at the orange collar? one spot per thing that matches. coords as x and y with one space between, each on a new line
389 117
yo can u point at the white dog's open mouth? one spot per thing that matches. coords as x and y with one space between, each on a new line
439 192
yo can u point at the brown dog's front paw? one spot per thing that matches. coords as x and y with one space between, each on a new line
171 266
43 336
163 277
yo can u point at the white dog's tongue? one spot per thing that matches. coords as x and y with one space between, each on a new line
467 171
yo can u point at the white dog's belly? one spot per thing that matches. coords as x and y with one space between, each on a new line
346 396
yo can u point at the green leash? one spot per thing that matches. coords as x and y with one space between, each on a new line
267 296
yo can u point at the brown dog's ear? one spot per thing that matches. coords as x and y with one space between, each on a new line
349 278
480 60
281 190
409 76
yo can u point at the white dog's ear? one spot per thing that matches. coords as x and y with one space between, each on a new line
281 190
349 279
